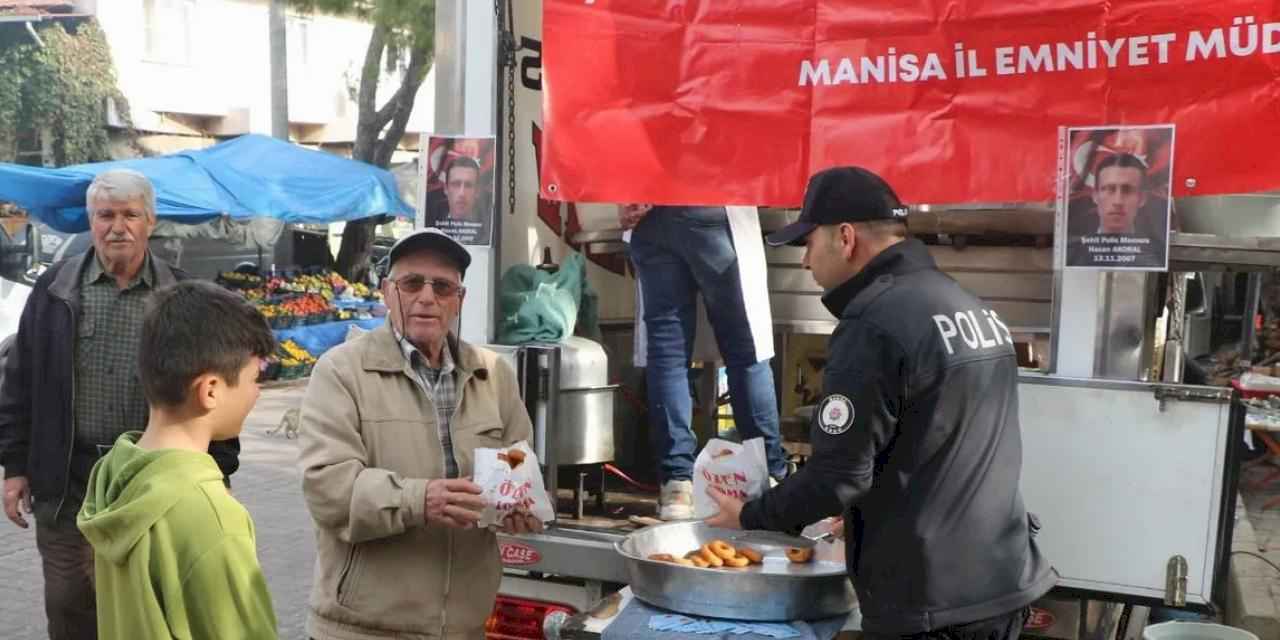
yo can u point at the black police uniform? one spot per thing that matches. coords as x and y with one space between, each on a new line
916 442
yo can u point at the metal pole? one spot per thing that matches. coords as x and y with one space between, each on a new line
279 70
450 67
1253 297
1175 342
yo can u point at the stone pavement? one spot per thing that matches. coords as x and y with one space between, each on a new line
268 484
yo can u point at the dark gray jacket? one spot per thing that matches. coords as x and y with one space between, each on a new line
916 442
36 406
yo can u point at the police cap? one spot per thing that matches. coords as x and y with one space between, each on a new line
838 195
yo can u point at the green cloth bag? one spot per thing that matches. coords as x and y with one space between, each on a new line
543 306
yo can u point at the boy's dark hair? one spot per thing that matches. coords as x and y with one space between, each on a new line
193 328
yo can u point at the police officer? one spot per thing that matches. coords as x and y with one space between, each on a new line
916 440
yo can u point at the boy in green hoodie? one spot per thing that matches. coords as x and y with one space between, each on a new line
174 553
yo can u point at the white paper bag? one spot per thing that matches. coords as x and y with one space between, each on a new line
737 470
506 488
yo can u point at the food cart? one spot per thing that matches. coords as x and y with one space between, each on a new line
1131 471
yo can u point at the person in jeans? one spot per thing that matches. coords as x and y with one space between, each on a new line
679 253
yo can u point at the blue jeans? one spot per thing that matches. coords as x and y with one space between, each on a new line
678 253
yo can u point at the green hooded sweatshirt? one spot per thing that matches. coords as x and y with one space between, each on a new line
174 553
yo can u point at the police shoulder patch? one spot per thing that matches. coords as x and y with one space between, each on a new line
835 415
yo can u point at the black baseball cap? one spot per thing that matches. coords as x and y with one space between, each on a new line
432 239
841 194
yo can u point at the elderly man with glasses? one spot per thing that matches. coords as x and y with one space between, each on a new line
389 426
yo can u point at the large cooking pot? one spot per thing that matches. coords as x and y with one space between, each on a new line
583 433
776 590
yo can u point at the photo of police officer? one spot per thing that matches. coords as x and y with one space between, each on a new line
459 199
1119 198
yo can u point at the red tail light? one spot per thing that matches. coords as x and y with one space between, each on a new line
520 618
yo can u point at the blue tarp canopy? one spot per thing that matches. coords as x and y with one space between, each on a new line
245 177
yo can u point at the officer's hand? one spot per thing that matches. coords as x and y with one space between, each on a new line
17 499
837 527
730 512
455 502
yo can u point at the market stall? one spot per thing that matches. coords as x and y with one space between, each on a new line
310 311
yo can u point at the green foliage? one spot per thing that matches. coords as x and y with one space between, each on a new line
412 22
61 87
399 27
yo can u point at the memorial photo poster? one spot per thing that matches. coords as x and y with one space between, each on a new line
460 187
1118 197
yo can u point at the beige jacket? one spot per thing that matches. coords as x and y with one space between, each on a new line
369 444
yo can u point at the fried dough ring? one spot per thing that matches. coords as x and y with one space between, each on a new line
515 457
684 562
737 562
722 549
662 557
751 555
799 556
711 557
699 562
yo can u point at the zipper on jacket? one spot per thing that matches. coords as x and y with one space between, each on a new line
453 419
428 394
448 581
448 576
71 448
346 569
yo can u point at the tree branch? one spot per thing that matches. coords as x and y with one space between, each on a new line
370 73
419 64
413 77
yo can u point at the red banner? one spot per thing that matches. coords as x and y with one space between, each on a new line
738 102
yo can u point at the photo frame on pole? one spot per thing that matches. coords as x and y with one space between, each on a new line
1117 182
459 172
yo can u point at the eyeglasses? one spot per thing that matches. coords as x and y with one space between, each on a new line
412 284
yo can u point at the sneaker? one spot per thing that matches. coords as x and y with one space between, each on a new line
676 501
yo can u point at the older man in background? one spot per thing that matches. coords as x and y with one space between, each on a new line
70 387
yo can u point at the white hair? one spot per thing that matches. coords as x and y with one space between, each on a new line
122 184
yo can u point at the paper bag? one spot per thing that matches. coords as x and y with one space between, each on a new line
737 470
511 478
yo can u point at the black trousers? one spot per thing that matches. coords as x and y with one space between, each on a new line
1005 627
69 599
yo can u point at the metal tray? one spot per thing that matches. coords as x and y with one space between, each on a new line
776 590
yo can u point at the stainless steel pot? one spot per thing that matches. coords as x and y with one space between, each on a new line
584 430
581 431
776 590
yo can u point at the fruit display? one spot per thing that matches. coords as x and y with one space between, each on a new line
295 298
237 280
313 307
290 361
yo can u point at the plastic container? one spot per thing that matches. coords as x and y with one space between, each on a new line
1246 392
1178 630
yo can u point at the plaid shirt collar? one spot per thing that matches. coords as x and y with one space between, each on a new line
94 272
441 386
419 360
